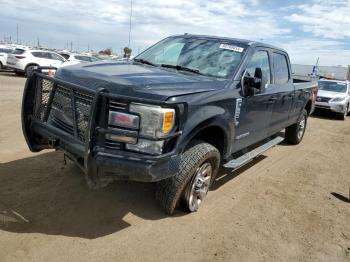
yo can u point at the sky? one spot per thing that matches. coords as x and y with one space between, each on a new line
306 29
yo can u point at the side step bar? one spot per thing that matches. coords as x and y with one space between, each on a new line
247 157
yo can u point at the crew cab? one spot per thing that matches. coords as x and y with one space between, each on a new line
172 115
334 96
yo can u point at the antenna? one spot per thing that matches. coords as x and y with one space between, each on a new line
17 34
130 22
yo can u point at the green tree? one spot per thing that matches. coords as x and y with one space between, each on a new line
127 52
107 51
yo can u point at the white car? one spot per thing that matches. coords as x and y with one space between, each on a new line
79 58
334 96
23 61
4 51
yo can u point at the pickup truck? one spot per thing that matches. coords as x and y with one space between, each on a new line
174 114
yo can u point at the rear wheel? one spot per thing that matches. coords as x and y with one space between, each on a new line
295 133
1 66
198 168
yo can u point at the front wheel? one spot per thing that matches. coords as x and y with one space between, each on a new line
29 69
295 133
343 116
198 168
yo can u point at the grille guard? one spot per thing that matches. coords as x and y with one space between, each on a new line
97 126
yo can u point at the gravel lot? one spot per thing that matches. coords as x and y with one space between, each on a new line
288 205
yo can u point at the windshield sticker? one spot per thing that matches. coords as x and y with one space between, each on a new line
232 48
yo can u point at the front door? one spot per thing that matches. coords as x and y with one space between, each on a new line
255 111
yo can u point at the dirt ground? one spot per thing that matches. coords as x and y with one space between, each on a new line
288 205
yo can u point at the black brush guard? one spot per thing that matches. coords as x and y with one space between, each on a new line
48 101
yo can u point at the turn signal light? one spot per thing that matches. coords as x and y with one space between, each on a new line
168 122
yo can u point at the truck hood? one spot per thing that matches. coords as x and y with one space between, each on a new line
330 94
137 80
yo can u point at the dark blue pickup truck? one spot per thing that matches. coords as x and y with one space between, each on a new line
173 115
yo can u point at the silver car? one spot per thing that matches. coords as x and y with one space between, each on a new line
334 96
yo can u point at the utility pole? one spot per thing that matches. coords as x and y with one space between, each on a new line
38 42
130 22
71 46
17 34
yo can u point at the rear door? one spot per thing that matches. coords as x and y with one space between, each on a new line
283 89
255 111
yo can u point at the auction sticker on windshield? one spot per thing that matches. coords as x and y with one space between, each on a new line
232 48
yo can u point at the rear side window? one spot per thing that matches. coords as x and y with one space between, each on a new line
37 54
280 68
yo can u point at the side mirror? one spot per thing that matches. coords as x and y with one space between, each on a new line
252 85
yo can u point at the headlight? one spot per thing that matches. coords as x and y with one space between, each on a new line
155 121
337 99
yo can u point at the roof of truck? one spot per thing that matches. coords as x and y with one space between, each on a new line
244 41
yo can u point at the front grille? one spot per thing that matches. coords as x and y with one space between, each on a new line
110 144
61 113
323 99
118 105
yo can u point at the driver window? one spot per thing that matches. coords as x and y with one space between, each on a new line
260 60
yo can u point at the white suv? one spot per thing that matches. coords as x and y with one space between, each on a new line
23 61
79 58
4 51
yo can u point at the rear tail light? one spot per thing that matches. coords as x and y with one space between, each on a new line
19 56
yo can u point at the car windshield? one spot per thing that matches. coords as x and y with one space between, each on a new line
332 86
211 57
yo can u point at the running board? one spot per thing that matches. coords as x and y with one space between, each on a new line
247 157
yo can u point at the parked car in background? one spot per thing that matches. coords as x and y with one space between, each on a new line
334 96
4 51
79 58
23 61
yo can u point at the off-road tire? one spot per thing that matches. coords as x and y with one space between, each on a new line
291 134
170 190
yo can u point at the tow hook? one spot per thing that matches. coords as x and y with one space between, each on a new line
52 143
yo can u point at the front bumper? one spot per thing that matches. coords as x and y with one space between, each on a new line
100 163
336 107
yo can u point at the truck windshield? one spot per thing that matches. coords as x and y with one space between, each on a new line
332 86
211 57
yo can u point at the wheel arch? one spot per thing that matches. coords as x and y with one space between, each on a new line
213 131
308 107
30 64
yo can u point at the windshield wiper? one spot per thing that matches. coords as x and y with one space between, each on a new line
143 61
182 68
